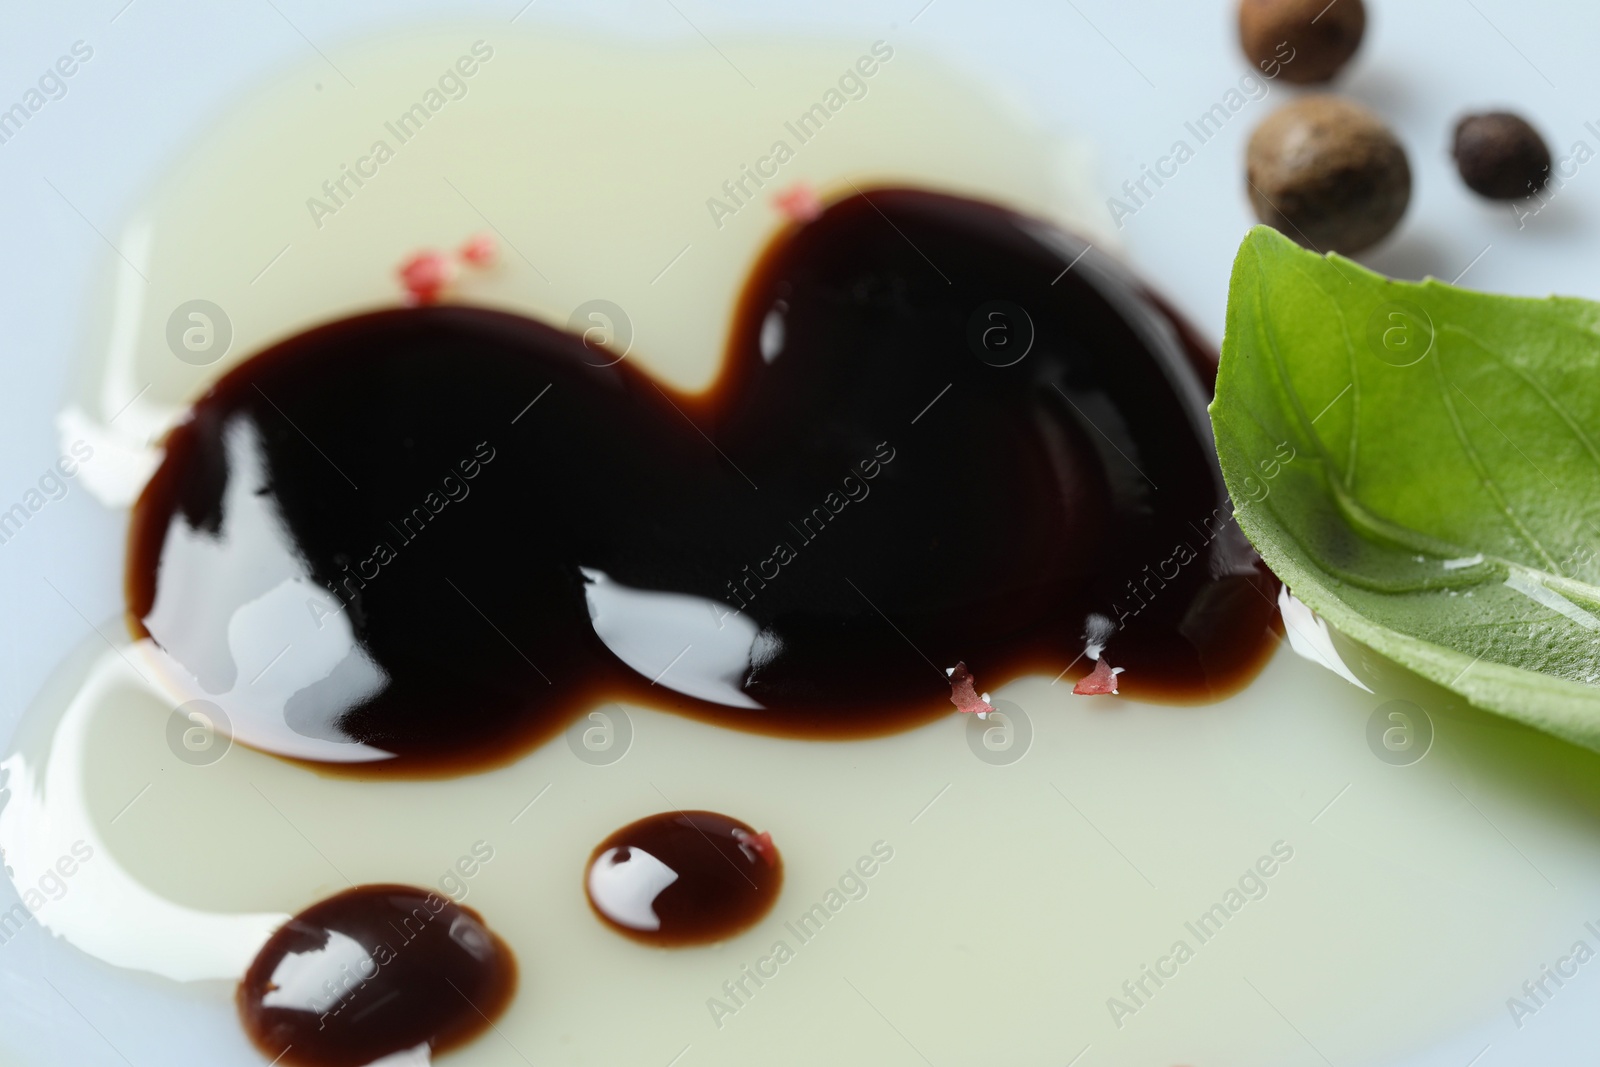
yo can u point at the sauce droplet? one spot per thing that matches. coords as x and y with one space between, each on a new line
684 878
375 970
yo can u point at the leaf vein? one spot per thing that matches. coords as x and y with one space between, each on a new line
1476 459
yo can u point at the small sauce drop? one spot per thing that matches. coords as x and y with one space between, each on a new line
375 970
684 878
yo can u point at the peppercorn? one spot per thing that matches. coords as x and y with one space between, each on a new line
1306 41
1328 173
1500 156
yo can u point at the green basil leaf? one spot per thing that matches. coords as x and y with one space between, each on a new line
1421 465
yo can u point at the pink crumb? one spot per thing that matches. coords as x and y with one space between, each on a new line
800 202
761 844
1101 680
964 696
425 275
480 249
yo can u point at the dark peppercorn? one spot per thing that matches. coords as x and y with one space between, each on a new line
1500 156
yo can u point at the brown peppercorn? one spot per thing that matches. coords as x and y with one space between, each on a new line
1500 156
1328 173
1306 41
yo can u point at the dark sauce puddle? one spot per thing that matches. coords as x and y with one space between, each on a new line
683 878
859 502
372 971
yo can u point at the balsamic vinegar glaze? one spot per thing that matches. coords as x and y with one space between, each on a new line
683 878
375 970
462 527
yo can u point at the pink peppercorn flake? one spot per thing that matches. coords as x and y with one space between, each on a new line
480 250
799 202
1100 681
425 276
964 696
761 844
